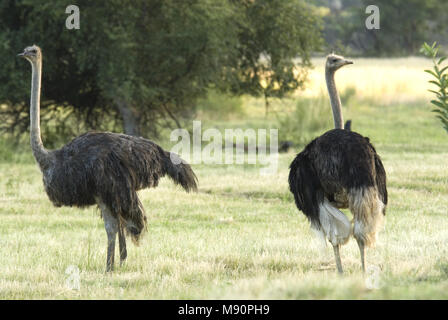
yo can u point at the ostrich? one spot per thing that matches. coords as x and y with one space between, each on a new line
103 168
338 170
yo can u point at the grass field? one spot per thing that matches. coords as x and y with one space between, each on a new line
241 236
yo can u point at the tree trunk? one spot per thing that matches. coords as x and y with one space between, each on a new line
129 116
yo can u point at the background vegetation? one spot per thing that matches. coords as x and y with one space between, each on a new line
440 80
137 66
241 236
405 24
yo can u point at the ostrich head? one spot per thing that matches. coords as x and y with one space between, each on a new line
334 62
32 54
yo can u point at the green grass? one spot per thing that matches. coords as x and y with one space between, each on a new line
241 236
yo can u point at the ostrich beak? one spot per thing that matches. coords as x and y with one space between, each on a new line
21 54
348 62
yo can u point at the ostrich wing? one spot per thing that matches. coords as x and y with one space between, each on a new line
306 188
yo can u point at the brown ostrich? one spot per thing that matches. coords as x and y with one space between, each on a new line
103 168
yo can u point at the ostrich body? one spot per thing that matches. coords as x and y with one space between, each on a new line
338 170
103 168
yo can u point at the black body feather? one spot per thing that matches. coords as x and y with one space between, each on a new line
112 168
331 165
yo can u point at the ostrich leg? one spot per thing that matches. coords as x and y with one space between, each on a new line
111 225
362 251
338 258
122 244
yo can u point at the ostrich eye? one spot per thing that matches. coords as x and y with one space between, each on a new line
334 60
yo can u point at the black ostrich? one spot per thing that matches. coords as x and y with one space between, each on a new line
340 169
103 168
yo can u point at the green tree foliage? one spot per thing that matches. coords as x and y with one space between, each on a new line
405 24
440 75
143 64
271 34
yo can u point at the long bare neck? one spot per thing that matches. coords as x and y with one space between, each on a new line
334 99
40 153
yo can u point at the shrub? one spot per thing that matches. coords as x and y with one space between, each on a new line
217 105
441 81
310 118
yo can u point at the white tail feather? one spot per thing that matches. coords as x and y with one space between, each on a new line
320 236
334 224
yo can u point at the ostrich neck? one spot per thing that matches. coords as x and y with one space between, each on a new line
39 152
334 99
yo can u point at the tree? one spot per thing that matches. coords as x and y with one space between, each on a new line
271 35
404 25
70 87
143 64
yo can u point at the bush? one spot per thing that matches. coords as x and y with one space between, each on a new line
441 81
311 117
347 95
218 106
